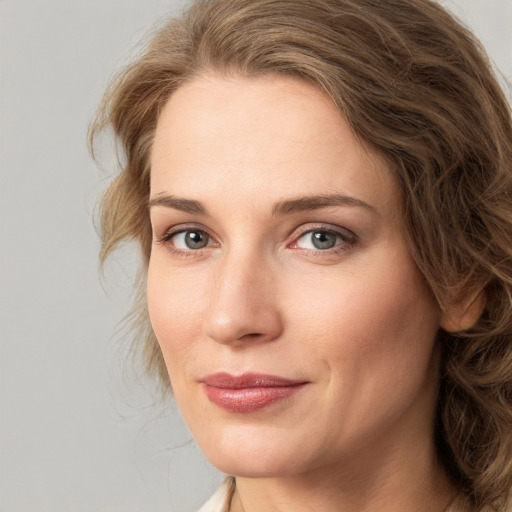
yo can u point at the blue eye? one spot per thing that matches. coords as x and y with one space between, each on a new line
190 240
320 239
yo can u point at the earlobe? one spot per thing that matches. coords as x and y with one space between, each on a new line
464 315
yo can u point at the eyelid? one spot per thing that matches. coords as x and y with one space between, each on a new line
348 237
181 228
345 233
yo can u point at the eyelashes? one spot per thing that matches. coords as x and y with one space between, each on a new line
323 239
316 240
191 239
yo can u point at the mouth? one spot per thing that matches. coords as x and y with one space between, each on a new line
248 392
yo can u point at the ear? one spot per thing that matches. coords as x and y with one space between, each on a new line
463 315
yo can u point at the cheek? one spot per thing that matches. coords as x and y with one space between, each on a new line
371 333
373 326
175 310
366 304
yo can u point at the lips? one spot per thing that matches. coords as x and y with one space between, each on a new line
248 392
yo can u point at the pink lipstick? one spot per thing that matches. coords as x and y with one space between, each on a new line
248 392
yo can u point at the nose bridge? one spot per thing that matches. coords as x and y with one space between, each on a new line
243 302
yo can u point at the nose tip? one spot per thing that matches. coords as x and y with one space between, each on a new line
234 328
244 307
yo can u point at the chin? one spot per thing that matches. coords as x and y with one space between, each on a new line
242 457
250 467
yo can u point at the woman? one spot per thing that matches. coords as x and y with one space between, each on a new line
322 192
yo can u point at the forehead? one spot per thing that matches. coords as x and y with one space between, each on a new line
264 137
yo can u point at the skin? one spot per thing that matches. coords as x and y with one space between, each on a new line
355 321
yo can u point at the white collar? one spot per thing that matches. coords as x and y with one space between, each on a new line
221 499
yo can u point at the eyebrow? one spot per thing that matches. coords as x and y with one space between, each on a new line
283 207
302 204
178 203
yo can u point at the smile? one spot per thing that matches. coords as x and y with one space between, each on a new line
248 392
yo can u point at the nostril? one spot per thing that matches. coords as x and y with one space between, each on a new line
250 336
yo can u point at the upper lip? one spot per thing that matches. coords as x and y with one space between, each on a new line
247 380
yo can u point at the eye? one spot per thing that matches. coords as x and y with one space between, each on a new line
322 240
317 240
192 239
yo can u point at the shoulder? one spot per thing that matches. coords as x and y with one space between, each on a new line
221 499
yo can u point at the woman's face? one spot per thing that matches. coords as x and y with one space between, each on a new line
296 329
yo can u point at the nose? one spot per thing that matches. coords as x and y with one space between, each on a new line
244 302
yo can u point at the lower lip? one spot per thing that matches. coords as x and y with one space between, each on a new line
249 399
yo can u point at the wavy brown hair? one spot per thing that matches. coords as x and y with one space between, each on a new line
416 85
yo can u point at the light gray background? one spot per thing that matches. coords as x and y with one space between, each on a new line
79 431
